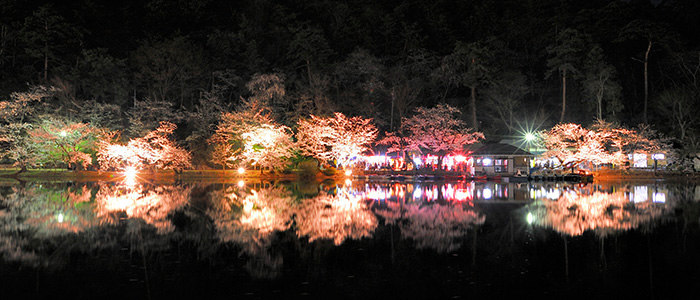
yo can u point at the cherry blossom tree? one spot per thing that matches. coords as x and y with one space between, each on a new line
15 123
604 143
64 141
155 150
267 146
338 138
438 130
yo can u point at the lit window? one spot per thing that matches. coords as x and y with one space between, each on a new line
487 161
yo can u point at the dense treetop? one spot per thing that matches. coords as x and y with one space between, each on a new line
504 63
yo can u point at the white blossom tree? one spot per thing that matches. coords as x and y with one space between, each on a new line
337 138
267 146
155 150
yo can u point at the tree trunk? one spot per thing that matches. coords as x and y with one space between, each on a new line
563 96
475 125
646 81
46 50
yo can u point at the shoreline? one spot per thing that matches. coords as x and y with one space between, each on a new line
163 176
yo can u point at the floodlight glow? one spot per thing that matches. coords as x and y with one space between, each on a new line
348 172
62 133
529 137
60 218
241 170
130 175
530 218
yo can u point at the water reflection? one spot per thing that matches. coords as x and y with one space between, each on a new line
335 217
151 204
575 209
39 220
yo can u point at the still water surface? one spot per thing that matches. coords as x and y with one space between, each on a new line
349 239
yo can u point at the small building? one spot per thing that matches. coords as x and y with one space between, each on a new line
501 159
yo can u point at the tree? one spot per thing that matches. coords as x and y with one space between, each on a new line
147 114
71 143
438 130
604 143
564 59
253 112
473 66
155 150
170 69
599 83
650 33
338 138
101 77
46 35
16 116
680 106
267 146
504 96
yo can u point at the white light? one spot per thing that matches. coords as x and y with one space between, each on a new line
62 133
241 170
60 218
658 156
130 176
241 183
529 137
348 172
487 161
530 218
659 197
348 182
487 193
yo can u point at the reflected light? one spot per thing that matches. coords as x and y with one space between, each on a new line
241 183
487 193
130 176
530 218
348 182
60 218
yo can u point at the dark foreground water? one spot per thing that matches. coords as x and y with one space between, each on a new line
349 240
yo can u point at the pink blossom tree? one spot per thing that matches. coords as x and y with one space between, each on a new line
438 130
337 138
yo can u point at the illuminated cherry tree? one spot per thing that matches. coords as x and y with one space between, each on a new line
338 138
267 146
15 123
156 150
604 143
438 130
68 142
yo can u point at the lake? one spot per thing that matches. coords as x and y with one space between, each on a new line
352 239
